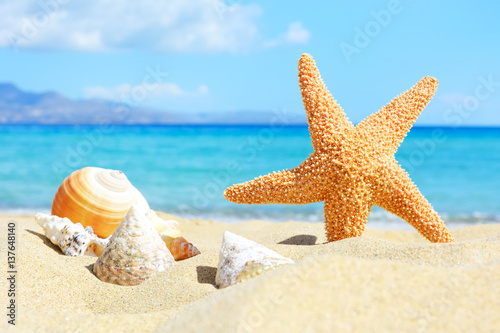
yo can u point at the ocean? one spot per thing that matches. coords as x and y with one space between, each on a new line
184 170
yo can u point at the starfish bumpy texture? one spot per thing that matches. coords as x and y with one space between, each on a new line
352 167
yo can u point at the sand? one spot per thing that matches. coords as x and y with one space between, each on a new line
387 280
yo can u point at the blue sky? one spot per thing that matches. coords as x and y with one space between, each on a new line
214 55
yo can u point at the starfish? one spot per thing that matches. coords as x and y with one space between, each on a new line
352 167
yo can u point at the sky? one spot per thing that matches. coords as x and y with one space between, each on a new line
214 55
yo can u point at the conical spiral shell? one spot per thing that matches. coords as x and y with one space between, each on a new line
134 253
97 197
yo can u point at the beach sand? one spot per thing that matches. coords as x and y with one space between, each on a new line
387 280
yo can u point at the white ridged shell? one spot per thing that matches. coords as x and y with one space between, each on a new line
72 239
241 259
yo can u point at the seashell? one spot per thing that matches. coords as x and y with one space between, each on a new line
72 239
241 259
97 197
140 201
159 224
178 246
134 253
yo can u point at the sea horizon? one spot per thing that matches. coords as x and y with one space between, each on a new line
264 124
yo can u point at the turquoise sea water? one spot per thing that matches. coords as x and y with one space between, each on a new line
184 169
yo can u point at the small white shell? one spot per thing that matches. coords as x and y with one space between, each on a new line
134 253
71 238
159 224
169 232
241 259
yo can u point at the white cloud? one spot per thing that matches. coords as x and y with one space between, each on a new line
165 26
141 92
461 101
452 99
296 34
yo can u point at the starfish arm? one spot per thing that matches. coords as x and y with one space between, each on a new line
397 194
345 217
388 127
300 185
327 121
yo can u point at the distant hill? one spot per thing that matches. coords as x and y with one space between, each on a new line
22 107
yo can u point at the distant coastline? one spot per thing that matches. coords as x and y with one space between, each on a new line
24 108
50 108
236 125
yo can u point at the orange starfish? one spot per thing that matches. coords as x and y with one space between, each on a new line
353 167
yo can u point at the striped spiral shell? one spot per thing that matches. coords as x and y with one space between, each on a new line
96 197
